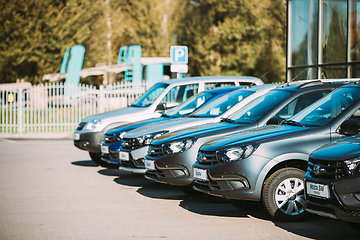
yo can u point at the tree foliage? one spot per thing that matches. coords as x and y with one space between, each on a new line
237 37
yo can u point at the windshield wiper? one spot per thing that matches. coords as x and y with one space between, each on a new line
292 123
227 120
195 116
165 115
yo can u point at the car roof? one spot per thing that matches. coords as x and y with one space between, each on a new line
214 78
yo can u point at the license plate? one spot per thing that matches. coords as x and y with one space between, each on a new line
149 164
76 136
105 149
317 190
124 156
200 174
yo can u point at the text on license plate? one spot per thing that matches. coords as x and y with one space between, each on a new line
124 156
149 164
200 174
104 149
317 190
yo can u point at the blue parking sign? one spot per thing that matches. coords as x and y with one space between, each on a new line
179 54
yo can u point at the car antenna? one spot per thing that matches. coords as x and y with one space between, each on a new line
299 74
253 83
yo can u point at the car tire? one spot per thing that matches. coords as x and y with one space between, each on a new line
247 205
354 225
283 195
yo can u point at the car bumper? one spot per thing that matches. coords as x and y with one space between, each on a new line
343 202
89 141
135 163
234 180
174 169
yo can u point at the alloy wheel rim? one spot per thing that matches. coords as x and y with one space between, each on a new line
289 196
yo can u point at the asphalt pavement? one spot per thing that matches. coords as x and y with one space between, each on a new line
49 189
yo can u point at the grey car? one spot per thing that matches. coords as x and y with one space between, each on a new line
267 164
171 156
134 146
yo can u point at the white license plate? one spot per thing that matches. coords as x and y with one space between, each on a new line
200 174
149 164
124 156
76 136
317 190
104 149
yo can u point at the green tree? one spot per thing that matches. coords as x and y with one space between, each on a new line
234 37
34 34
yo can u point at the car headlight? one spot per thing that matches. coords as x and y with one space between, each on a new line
178 146
147 138
235 153
353 166
92 125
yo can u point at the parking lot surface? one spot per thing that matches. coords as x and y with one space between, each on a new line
51 190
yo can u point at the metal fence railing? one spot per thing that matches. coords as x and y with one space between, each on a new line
58 107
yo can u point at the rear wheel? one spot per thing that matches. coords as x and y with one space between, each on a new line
283 195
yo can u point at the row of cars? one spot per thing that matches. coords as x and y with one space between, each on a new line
252 145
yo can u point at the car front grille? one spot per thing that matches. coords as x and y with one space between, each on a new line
207 157
81 126
155 150
325 169
130 143
110 138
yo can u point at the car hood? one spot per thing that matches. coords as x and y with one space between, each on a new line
118 115
138 124
198 131
170 125
255 135
339 150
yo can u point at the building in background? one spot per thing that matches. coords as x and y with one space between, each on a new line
323 39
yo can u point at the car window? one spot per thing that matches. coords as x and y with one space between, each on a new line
211 85
328 108
300 103
150 96
191 104
221 104
259 107
179 94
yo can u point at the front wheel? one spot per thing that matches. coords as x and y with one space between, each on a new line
283 195
96 158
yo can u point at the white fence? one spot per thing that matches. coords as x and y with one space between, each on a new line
58 107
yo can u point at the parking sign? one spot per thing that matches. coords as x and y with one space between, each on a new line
179 54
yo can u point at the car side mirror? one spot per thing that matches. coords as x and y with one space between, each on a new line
275 121
350 127
161 107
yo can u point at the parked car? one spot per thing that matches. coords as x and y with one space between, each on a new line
332 180
171 156
112 140
268 164
135 143
162 96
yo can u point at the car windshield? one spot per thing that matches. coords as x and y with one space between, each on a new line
190 105
221 105
150 96
328 108
259 107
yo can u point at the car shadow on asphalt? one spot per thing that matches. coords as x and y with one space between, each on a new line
84 163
